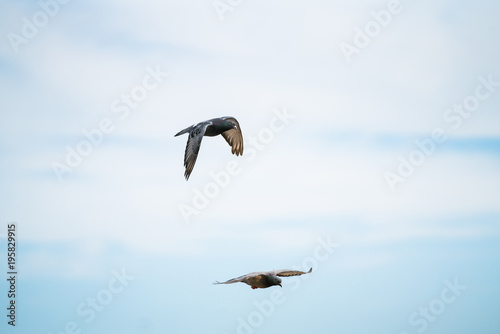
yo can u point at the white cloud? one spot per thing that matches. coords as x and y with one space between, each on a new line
243 66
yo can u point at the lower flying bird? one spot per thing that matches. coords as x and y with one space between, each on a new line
227 126
265 279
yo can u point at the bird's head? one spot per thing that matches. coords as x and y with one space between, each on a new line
233 125
277 281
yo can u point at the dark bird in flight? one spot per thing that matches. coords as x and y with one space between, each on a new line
265 279
227 126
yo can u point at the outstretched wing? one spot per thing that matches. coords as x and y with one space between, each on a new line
287 272
193 147
234 137
234 280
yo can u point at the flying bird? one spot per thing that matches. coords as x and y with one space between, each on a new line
265 279
226 126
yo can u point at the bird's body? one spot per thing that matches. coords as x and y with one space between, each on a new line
227 126
265 279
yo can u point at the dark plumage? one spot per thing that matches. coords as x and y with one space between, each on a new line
265 279
227 126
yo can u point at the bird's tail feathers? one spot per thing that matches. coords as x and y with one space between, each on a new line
186 130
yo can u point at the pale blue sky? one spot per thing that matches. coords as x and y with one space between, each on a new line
318 175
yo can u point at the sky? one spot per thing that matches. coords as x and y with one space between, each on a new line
372 155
